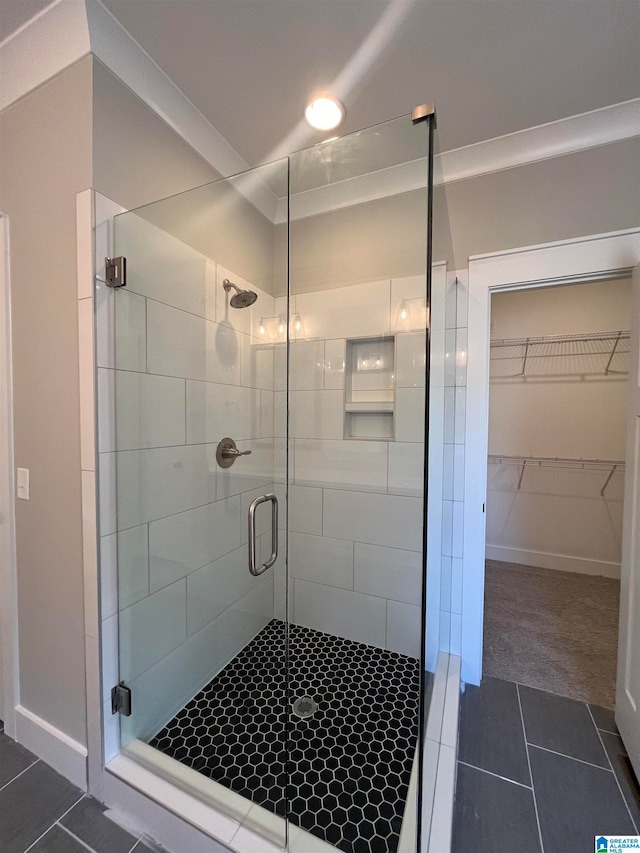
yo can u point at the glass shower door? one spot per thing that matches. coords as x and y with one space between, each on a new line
199 472
358 381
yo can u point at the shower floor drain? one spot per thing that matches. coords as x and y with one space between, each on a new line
305 707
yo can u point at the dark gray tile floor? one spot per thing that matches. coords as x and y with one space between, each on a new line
539 773
41 812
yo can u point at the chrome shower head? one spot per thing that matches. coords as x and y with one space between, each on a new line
241 298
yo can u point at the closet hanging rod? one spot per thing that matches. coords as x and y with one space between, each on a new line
556 462
564 463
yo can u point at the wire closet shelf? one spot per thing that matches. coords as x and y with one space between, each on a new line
607 467
599 352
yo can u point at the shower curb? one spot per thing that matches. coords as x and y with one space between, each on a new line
441 751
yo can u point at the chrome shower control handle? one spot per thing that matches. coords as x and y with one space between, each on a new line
227 453
233 452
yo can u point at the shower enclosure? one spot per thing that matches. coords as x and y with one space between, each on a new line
271 410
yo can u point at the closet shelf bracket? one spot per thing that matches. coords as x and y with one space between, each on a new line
608 480
524 366
607 369
606 466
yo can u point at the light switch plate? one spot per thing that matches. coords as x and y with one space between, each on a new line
22 483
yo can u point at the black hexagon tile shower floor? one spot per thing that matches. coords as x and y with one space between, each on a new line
349 763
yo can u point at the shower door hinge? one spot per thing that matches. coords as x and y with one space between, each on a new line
116 271
121 699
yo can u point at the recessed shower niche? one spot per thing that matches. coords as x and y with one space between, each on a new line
217 657
370 388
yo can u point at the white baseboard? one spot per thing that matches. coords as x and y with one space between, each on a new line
559 562
57 749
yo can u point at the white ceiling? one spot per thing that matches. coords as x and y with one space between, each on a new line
491 66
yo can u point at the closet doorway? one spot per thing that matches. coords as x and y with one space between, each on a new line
555 486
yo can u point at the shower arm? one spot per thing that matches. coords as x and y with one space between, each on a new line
229 284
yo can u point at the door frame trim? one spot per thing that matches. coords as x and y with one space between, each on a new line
566 262
626 711
8 561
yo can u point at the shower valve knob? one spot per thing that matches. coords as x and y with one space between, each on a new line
227 453
230 452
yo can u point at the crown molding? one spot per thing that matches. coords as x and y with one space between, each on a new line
43 47
555 139
566 136
121 54
69 29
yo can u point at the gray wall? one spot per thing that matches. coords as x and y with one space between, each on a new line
82 129
375 240
589 192
45 159
138 159
218 221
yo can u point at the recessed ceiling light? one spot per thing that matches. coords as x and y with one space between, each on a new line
324 113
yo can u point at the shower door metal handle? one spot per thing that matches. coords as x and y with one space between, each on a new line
253 567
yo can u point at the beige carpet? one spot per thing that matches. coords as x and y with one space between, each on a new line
554 630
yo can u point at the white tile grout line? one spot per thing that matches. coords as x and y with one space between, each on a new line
599 728
496 775
615 775
526 747
73 835
33 763
136 842
204 381
571 757
54 823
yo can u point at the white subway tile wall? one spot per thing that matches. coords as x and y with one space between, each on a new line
341 612
403 628
388 572
340 464
410 414
456 305
321 559
178 370
406 468
316 414
358 572
394 521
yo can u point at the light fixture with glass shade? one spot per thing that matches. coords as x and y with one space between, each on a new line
411 313
403 315
275 328
297 326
